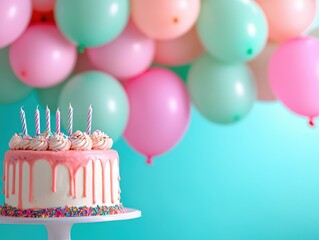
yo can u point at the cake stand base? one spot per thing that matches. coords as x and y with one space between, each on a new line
60 228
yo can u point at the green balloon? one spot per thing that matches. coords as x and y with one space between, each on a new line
232 31
107 96
50 96
223 93
91 23
11 88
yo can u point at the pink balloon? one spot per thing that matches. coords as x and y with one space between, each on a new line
14 19
83 63
179 51
288 18
259 67
165 19
125 57
159 111
42 57
294 75
43 5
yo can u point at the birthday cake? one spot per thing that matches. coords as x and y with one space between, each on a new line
58 175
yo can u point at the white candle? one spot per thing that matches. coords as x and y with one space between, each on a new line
37 121
48 123
89 121
70 120
23 122
57 121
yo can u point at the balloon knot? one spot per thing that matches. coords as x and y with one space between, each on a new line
23 73
149 160
311 122
81 49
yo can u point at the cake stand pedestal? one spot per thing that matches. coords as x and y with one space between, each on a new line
60 228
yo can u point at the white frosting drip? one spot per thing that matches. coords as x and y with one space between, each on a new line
39 143
81 141
101 141
14 143
59 142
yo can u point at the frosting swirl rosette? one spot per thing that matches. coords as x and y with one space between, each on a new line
59 142
25 142
101 141
39 143
14 143
80 141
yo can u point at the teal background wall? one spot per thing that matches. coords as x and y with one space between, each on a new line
258 179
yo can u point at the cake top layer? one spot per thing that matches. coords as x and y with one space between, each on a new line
58 141
78 141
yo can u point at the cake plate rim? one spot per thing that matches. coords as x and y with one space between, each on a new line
60 228
130 213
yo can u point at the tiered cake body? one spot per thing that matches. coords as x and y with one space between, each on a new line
49 179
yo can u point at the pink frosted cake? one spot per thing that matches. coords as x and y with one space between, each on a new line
54 175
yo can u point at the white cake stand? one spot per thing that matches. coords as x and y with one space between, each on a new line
60 228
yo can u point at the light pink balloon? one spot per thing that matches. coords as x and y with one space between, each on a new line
179 51
259 67
83 63
125 57
294 75
165 19
42 57
43 5
159 111
14 19
288 18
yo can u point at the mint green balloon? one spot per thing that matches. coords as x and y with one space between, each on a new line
223 93
232 31
11 88
50 96
107 96
91 23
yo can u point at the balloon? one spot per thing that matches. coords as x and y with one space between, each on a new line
315 32
232 31
294 75
83 63
159 111
42 17
11 89
15 16
108 99
41 57
91 23
315 22
127 56
50 96
43 5
179 51
288 18
165 19
223 93
259 67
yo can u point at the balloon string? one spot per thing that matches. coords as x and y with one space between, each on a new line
149 160
311 122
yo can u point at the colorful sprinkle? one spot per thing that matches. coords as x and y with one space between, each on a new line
9 211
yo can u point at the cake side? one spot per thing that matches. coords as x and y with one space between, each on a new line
47 179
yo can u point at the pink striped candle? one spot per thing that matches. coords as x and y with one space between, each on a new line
57 121
89 121
48 122
70 120
37 121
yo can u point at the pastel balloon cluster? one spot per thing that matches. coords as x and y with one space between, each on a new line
119 56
